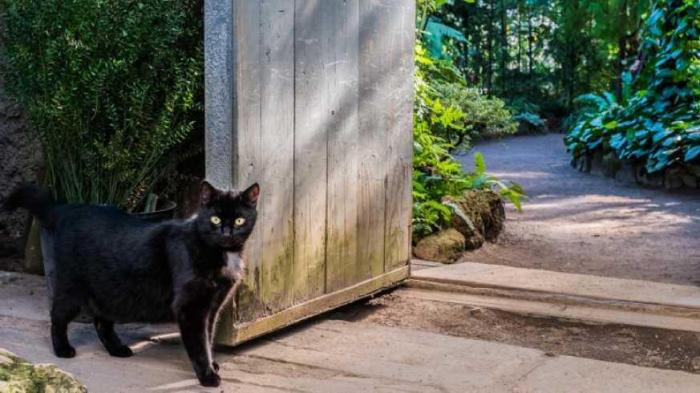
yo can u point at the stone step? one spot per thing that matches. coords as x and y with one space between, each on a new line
566 295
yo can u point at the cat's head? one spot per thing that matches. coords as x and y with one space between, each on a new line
226 219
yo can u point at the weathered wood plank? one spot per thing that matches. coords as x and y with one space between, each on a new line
315 306
343 268
399 37
277 146
312 52
247 142
373 134
314 103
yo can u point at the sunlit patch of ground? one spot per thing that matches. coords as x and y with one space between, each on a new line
581 223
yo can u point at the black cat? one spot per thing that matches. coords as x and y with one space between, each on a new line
123 269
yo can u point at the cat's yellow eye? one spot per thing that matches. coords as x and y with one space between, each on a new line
215 220
239 221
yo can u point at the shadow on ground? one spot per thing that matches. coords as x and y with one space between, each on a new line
581 223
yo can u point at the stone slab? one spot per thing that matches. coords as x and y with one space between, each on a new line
324 356
579 312
595 287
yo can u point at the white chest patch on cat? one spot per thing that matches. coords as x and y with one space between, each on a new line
235 268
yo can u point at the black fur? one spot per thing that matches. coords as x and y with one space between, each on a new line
123 269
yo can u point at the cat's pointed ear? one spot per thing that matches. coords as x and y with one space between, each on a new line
206 193
251 194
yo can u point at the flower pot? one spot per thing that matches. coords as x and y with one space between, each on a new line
165 211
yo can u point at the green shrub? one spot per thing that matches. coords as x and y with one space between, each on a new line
659 124
483 117
111 88
530 122
436 173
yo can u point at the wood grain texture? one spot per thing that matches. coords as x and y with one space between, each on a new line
397 63
276 68
343 267
315 306
319 113
373 133
248 143
312 116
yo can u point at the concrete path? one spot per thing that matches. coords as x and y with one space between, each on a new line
580 223
579 285
319 356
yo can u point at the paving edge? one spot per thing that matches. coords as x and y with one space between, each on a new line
557 305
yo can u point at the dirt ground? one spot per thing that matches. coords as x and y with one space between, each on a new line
665 349
581 223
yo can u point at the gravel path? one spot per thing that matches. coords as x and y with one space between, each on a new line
581 223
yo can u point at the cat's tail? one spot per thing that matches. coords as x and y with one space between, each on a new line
36 200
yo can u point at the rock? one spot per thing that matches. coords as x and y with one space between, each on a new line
485 211
611 164
690 181
596 164
10 111
695 363
584 163
464 224
5 360
20 160
654 180
672 180
18 375
445 246
626 174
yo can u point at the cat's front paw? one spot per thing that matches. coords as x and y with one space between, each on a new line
121 352
210 379
65 352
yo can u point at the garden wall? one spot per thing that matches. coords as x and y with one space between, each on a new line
20 157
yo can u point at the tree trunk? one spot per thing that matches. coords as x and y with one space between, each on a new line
520 46
489 50
530 40
622 46
622 51
504 47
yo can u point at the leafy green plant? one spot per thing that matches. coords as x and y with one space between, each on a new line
532 121
442 113
456 112
483 116
659 124
111 88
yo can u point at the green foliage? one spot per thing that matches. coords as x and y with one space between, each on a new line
533 121
436 174
483 117
454 111
111 88
543 52
660 124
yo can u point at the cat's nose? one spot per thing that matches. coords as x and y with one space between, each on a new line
226 231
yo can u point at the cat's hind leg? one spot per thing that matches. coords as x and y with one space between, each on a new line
63 310
109 338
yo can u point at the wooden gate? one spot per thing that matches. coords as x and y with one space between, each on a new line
312 99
